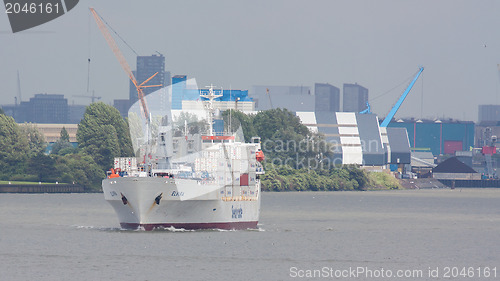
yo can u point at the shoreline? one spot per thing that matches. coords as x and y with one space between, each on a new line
41 188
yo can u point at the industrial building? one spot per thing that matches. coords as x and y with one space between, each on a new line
397 145
358 139
440 137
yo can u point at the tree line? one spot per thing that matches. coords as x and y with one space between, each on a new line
102 135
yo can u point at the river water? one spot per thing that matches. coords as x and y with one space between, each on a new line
409 234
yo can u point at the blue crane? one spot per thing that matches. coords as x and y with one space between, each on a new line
367 110
398 104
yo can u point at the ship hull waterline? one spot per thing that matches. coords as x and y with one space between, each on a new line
151 203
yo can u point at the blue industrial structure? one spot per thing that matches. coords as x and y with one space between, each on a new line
181 92
398 104
441 137
368 109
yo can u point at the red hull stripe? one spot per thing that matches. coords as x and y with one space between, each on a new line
209 225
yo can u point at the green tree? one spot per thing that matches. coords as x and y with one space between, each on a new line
104 135
14 148
36 140
268 122
63 146
239 119
285 178
64 136
81 169
43 166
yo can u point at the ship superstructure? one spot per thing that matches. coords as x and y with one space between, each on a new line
214 184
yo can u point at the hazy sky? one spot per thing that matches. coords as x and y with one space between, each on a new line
237 44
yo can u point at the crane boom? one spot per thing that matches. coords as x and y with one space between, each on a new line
398 104
123 63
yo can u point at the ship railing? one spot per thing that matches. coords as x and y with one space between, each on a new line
239 198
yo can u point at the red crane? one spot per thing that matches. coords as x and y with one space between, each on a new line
124 64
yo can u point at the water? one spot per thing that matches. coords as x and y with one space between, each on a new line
77 237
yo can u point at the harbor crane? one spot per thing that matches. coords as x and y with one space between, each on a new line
398 104
121 59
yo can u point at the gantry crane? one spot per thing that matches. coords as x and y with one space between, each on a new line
124 64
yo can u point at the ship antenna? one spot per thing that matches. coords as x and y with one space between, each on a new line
211 96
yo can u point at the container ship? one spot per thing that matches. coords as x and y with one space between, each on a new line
215 186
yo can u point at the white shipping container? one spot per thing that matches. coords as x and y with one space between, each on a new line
251 179
237 191
244 166
236 181
236 165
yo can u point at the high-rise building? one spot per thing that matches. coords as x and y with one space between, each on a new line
488 114
45 108
146 67
327 97
122 106
76 113
355 98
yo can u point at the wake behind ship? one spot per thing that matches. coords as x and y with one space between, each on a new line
181 180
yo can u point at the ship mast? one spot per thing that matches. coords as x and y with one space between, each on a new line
210 95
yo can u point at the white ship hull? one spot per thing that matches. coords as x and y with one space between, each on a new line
156 202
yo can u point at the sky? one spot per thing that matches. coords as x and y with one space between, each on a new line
237 44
